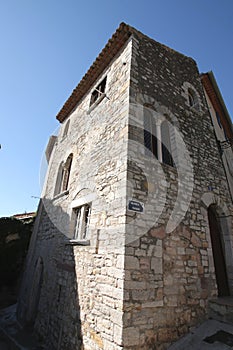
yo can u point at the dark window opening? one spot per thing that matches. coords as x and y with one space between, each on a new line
167 157
98 91
166 144
150 142
150 139
161 149
193 99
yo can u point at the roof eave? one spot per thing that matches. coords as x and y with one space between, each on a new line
213 81
119 38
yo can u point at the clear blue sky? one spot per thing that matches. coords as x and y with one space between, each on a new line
48 45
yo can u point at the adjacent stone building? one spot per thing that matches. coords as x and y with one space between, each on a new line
133 234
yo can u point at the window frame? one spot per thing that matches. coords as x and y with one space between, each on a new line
82 215
193 99
154 138
63 176
166 144
98 94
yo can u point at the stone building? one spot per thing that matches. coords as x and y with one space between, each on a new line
133 234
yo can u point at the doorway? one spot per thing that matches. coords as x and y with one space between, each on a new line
218 253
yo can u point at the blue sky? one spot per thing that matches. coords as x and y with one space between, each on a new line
48 45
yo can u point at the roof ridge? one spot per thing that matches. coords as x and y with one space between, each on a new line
114 44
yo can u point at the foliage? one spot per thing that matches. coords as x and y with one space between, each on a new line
14 241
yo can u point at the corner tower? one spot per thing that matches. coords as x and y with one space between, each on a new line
121 256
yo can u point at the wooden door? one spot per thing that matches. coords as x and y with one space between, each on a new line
218 253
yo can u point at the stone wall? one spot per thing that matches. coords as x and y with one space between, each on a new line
80 298
169 273
142 279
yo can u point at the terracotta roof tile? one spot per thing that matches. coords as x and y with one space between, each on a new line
114 44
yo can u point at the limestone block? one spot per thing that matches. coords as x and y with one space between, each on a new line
131 336
157 265
131 262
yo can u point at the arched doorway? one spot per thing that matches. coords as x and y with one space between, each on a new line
218 252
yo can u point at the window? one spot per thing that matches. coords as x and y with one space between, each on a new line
218 119
66 173
191 96
63 176
150 139
166 144
157 137
99 92
59 180
82 220
66 129
193 99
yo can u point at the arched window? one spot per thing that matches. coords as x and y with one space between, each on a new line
193 99
63 176
150 137
166 144
66 173
59 180
157 137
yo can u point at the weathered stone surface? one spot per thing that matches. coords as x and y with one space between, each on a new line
135 284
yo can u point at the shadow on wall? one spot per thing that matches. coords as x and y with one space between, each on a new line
14 240
49 300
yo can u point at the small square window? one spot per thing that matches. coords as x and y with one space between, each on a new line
82 220
99 92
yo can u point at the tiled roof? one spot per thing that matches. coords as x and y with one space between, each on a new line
117 41
113 46
24 216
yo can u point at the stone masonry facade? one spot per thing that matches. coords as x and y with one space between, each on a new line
138 279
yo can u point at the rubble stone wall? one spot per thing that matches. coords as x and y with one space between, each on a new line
143 278
74 294
169 275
